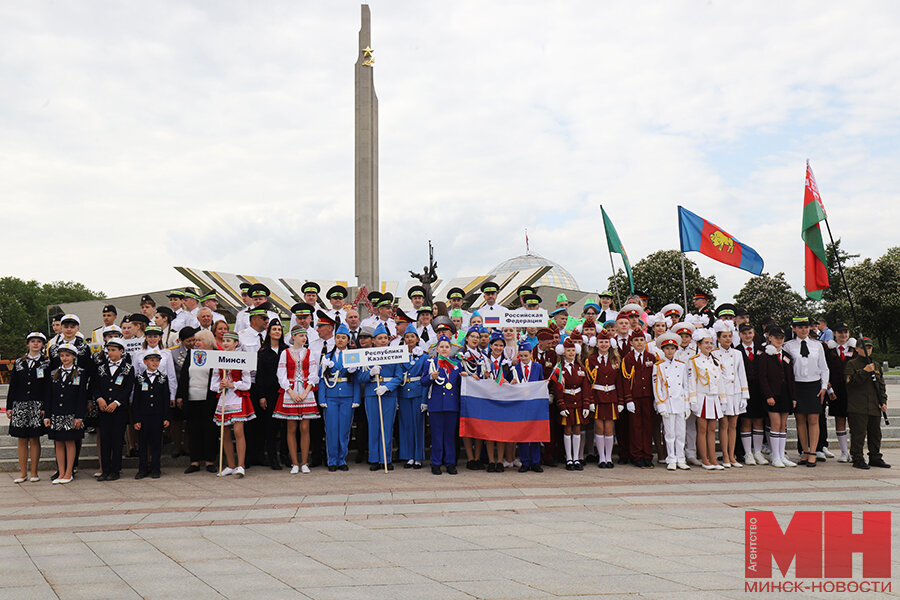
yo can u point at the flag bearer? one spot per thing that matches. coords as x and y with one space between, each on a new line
381 381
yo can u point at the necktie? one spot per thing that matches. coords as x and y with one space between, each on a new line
261 339
804 349
842 352
779 358
527 370
750 353
425 333
496 365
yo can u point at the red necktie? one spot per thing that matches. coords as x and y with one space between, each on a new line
842 352
750 354
526 372
779 358
496 365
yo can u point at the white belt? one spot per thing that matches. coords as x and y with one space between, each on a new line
572 392
411 379
605 388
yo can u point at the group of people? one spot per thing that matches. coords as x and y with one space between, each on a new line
651 384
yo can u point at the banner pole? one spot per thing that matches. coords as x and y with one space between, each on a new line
684 284
612 268
221 431
381 420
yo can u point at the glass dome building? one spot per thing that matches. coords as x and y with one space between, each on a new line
557 276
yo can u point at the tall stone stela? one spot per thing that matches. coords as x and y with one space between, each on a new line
366 153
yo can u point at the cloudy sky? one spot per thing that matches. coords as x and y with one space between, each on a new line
136 136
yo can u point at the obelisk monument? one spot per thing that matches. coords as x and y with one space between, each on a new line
366 179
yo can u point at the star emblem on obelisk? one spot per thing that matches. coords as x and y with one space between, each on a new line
367 52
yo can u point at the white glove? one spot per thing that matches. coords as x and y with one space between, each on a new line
424 407
664 413
630 407
742 407
694 406
417 351
355 405
352 370
381 390
327 363
376 370
621 408
564 413
323 404
584 413
687 413
592 407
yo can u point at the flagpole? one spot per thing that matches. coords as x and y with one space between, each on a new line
615 286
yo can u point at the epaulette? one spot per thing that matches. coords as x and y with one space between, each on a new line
676 360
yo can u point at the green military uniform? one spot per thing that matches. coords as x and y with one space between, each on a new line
865 393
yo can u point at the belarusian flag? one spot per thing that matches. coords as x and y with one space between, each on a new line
615 245
816 263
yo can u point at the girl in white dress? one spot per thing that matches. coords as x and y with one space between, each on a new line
298 376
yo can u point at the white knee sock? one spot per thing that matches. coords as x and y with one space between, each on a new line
580 442
601 448
758 439
842 441
780 440
609 440
567 444
767 440
747 441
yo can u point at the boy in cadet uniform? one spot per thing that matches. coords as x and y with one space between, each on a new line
310 291
491 311
111 390
151 414
260 295
637 368
701 306
242 319
455 298
336 295
522 291
528 370
176 303
866 401
191 302
108 315
56 326
416 295
670 393
211 301
302 315
148 306
687 350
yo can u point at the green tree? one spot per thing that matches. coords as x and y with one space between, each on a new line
659 274
23 308
767 296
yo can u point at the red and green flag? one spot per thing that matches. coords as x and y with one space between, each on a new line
615 246
816 261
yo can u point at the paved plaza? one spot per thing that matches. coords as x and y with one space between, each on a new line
625 533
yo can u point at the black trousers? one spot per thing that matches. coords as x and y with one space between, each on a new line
150 438
361 421
864 430
202 432
112 436
266 431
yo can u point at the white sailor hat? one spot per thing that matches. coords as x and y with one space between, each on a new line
36 334
116 342
67 348
112 328
70 317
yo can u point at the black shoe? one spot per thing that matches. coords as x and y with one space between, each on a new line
192 469
610 464
332 468
879 462
275 466
523 469
623 460
132 453
435 470
602 465
408 465
570 466
374 466
537 468
451 470
472 465
491 468
211 469
360 457
577 466
54 476
812 464
103 477
114 476
343 467
860 464
140 474
390 466
155 475
498 468
417 465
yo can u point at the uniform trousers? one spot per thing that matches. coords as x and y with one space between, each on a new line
262 433
641 428
150 437
388 410
864 429
552 452
362 430
338 419
674 432
690 436
443 437
202 432
112 436
412 428
530 453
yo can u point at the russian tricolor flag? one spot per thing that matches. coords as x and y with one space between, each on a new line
699 235
492 320
504 413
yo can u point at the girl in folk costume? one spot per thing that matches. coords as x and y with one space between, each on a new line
776 382
670 393
473 364
501 372
736 388
706 391
28 384
298 376
64 409
234 406
607 392
572 386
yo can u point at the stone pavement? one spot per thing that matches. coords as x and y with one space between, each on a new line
624 533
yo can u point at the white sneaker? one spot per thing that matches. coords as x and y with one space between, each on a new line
788 463
517 463
239 472
845 458
760 459
671 467
226 472
295 469
684 466
822 455
749 460
20 480
692 460
776 462
304 469
737 464
410 462
828 453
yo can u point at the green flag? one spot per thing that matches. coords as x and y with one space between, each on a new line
615 245
815 259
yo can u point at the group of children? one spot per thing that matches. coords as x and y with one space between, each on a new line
644 381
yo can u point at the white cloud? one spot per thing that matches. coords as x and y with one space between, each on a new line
221 136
